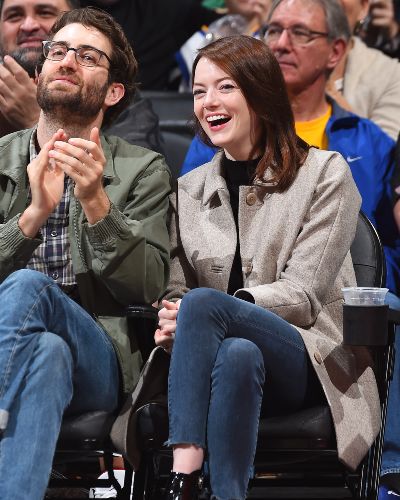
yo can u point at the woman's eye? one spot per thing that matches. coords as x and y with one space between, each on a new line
227 86
197 93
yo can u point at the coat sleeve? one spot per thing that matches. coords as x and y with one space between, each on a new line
128 250
319 250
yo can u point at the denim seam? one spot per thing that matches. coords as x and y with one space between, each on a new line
281 338
7 371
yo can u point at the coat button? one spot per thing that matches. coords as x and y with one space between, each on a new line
318 357
251 198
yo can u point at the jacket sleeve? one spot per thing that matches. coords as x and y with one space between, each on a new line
128 250
15 248
318 253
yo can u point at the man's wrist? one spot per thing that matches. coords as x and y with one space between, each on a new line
31 221
96 209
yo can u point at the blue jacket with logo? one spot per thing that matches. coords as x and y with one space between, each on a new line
370 155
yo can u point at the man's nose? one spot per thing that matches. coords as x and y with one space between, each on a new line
283 42
69 60
30 23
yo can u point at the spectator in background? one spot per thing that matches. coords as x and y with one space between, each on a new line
243 18
382 26
24 24
366 81
157 29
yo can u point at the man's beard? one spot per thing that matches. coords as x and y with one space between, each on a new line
28 58
66 107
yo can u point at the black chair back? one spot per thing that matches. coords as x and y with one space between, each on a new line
367 255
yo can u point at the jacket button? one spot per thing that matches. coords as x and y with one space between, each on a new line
251 198
318 357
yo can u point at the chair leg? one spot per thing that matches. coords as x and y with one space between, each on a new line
139 482
109 466
126 490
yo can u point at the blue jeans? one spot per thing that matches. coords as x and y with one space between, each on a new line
53 357
224 348
391 447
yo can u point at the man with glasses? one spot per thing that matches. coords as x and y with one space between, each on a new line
82 235
23 26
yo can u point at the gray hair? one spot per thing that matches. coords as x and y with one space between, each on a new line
337 24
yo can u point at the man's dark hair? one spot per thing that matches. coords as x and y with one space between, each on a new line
123 67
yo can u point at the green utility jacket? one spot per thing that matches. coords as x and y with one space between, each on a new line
120 260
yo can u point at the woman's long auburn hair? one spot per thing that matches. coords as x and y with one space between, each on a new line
251 64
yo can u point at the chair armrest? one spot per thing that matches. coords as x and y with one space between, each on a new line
365 325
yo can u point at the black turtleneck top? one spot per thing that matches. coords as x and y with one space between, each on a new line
237 173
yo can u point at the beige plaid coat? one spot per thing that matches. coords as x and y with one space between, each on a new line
295 259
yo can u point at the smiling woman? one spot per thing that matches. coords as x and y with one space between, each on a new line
255 287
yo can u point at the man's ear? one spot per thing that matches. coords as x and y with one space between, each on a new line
338 50
115 93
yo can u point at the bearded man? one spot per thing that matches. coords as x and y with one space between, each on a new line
82 235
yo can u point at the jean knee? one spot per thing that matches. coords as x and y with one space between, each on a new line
201 297
242 358
55 355
29 279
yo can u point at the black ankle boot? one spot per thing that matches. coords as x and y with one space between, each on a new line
182 486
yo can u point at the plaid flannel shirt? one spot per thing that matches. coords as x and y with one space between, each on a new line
53 256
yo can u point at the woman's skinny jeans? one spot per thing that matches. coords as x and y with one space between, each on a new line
224 348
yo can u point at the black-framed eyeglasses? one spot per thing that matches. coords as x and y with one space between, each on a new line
84 55
297 34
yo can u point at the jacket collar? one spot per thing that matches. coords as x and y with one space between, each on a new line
215 183
109 169
214 180
340 118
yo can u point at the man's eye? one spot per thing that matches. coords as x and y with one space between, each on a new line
57 51
273 31
13 17
300 33
47 13
88 56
